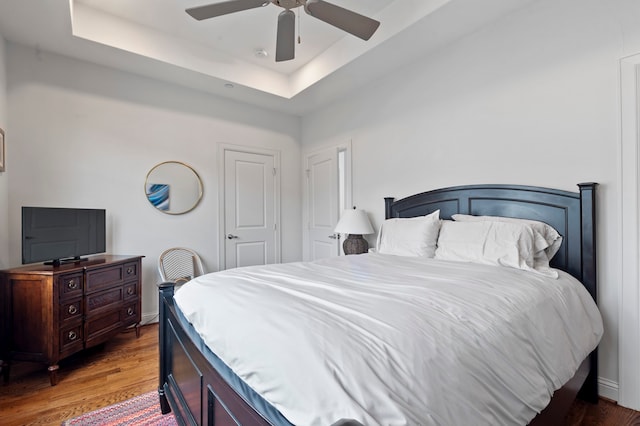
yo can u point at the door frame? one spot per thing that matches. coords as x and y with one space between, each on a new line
316 149
627 392
222 148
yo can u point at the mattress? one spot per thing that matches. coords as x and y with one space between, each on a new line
389 340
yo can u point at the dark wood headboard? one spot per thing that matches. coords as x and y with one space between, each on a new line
571 214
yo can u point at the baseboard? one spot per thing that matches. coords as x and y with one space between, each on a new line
150 317
608 389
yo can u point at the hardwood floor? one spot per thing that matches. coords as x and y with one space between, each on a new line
125 367
605 413
115 371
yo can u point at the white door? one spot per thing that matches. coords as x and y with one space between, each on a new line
249 201
323 204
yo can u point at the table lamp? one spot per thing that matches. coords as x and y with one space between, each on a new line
355 223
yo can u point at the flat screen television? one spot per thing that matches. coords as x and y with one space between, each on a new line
58 235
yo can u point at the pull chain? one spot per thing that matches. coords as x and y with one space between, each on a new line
299 19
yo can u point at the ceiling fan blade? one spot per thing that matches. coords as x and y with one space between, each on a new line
224 8
285 43
345 19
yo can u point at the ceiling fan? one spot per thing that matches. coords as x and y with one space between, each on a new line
347 20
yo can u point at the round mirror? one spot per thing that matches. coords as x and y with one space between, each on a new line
173 187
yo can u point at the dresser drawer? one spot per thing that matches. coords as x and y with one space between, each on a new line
103 278
131 313
131 290
104 300
70 285
131 270
70 337
99 328
71 310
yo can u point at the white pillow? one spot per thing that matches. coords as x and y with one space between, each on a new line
548 240
490 243
415 236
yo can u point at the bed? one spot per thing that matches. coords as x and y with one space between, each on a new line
200 388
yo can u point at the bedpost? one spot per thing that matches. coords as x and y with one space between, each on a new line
588 215
166 290
387 207
589 391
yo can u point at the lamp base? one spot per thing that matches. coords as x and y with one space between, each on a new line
355 244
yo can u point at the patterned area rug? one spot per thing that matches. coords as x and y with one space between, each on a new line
143 410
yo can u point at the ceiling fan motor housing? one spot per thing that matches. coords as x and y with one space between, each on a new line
288 4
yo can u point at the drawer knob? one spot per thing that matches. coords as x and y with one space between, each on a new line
72 335
72 310
129 270
130 291
72 284
130 311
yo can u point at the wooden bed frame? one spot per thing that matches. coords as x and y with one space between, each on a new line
199 393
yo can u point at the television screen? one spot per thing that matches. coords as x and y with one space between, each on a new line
60 234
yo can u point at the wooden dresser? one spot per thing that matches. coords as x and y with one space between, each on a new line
49 313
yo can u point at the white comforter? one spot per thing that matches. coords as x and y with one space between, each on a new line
390 340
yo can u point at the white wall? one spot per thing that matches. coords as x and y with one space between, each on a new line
532 99
84 135
4 176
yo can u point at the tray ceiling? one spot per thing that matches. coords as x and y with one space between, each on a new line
156 38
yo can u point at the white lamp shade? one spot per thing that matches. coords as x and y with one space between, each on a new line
354 221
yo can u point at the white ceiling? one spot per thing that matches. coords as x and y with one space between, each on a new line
156 38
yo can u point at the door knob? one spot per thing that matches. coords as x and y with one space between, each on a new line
231 236
335 236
